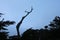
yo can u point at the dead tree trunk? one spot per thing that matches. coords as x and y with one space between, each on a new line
20 22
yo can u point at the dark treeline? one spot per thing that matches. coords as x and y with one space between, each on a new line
49 32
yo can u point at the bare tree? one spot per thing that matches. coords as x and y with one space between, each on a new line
20 22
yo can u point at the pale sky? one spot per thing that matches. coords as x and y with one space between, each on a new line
44 12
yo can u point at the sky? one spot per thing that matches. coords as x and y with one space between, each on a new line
43 13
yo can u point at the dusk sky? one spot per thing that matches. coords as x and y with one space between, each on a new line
43 13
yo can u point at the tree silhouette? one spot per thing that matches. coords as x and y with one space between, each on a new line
20 22
49 32
55 24
30 34
3 25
